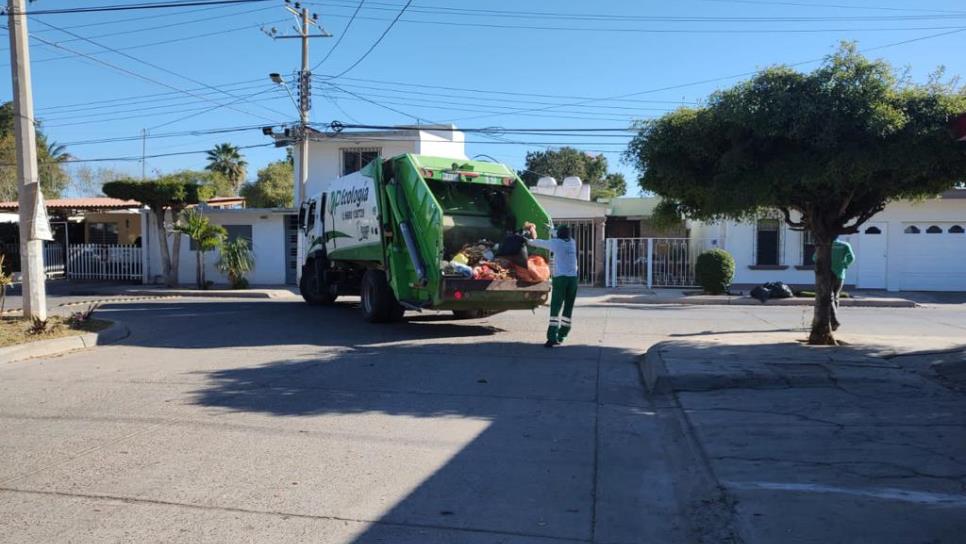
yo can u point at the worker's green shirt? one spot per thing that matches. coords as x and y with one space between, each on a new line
842 257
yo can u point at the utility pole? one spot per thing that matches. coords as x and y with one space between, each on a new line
303 25
32 234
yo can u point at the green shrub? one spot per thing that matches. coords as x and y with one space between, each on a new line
714 271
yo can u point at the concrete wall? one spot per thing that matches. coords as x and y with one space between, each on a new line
268 244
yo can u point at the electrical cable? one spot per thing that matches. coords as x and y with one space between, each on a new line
129 7
155 66
341 37
375 43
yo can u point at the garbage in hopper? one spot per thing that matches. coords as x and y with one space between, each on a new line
480 261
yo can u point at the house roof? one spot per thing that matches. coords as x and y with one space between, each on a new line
633 206
95 203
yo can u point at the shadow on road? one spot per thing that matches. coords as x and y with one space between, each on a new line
528 474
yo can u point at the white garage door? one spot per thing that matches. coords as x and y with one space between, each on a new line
933 257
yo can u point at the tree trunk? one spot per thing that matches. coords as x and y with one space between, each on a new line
163 245
175 253
821 334
200 269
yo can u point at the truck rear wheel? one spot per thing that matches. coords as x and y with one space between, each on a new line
313 287
379 304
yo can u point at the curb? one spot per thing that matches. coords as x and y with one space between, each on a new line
797 302
205 294
56 346
708 508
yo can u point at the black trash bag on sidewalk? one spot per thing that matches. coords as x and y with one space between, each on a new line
772 290
779 290
761 294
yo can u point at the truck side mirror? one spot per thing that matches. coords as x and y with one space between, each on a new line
302 216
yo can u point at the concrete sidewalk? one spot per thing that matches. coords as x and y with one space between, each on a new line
640 296
864 443
65 293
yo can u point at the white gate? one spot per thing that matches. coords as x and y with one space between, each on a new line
584 233
53 259
652 262
104 262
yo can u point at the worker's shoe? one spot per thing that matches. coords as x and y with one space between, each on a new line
551 343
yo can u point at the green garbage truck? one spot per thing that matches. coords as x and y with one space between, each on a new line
386 233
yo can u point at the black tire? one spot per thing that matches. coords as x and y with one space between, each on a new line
379 304
313 286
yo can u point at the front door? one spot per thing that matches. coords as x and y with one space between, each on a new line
870 256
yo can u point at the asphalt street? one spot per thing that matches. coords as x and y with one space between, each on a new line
272 421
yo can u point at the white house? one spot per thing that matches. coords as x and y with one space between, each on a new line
909 246
273 232
341 153
270 232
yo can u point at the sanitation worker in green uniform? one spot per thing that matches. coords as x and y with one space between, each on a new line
564 250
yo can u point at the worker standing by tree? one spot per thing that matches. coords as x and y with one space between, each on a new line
842 257
564 287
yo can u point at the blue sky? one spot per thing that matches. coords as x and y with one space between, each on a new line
474 63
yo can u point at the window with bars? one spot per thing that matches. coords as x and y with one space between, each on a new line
768 242
355 158
102 233
808 248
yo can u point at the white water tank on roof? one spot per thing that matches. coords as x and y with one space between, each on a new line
572 181
546 181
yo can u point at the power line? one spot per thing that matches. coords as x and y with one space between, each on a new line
156 67
149 98
340 38
622 17
140 6
160 42
377 42
493 91
163 135
705 81
138 158
838 6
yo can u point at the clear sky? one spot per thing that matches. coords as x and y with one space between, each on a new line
495 63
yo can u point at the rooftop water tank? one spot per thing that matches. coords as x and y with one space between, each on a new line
546 181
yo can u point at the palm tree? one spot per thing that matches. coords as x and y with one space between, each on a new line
227 160
57 152
236 260
206 235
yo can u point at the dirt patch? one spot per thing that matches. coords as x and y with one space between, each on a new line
16 330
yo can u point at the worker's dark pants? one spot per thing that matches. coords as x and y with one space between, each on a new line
836 292
563 295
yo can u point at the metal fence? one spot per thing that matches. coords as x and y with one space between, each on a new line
104 262
53 258
584 234
652 262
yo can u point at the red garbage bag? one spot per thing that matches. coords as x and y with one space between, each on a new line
537 270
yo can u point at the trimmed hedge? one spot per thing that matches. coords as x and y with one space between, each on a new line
714 271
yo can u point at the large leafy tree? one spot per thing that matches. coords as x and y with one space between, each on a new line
215 183
273 188
827 149
227 160
166 197
51 160
569 161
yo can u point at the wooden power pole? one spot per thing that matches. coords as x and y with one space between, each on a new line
32 214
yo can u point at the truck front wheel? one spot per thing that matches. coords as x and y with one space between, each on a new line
315 290
379 304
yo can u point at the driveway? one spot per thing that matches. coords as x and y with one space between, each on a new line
273 421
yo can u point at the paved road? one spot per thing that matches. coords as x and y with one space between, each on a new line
272 421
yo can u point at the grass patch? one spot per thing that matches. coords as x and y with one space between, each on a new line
16 330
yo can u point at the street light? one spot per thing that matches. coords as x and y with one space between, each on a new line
277 79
